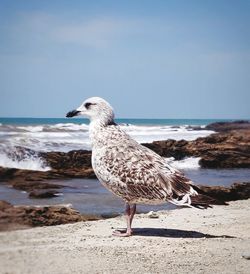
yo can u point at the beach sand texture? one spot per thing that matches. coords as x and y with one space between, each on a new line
179 241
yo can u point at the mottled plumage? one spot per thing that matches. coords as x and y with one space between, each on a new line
129 170
132 171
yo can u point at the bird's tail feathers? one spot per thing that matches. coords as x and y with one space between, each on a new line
195 199
182 201
202 198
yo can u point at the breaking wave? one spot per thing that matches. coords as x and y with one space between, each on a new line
20 158
70 136
186 163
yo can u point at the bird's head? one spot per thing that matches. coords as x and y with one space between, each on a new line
96 109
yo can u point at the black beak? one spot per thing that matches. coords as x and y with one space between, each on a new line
72 113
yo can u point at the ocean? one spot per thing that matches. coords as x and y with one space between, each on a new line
61 134
88 196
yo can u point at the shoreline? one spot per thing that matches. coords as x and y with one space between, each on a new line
179 241
229 147
14 217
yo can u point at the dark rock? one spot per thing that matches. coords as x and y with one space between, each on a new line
194 128
225 159
170 148
75 159
42 194
30 180
219 150
4 205
30 186
238 191
73 164
16 217
227 126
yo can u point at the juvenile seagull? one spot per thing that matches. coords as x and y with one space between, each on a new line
129 170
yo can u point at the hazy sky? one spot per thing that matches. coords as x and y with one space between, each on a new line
149 59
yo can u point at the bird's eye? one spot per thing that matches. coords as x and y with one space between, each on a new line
87 105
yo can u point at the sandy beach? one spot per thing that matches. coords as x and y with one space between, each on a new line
179 241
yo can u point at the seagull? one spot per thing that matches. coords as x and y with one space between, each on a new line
131 171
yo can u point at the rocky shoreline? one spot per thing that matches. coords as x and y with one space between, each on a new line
20 217
228 148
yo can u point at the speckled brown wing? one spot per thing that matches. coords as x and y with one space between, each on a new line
139 175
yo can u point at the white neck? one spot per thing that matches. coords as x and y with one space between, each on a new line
95 127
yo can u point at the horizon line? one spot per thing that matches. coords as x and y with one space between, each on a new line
138 118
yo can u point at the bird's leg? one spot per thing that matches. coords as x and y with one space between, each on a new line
130 212
130 215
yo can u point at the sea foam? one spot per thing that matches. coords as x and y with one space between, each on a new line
24 160
70 136
186 163
65 137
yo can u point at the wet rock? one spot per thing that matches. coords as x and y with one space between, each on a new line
238 191
30 180
227 126
73 164
16 217
43 194
225 159
30 186
4 205
75 159
170 148
219 150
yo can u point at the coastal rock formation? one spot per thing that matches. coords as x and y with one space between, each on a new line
43 194
72 164
16 217
227 126
237 191
72 160
33 181
29 180
220 150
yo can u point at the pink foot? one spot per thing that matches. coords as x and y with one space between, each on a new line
120 233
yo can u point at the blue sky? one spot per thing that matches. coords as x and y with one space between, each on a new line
149 59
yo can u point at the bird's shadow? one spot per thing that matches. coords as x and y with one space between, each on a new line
174 233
